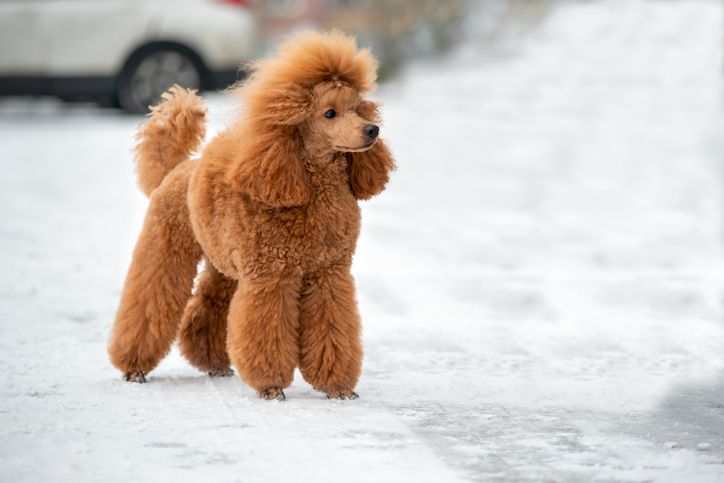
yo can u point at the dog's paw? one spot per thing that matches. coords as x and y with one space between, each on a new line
225 372
342 395
272 394
135 376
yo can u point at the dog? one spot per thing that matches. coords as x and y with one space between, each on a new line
271 207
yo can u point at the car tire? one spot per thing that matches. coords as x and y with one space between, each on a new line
149 74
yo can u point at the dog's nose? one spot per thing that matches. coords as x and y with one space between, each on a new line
371 131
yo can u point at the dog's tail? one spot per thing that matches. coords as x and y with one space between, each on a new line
175 129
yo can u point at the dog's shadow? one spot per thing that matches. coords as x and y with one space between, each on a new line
184 380
228 385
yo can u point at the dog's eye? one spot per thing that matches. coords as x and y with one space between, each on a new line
330 114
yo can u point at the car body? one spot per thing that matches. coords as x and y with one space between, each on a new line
107 49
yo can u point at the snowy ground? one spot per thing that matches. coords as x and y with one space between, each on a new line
541 285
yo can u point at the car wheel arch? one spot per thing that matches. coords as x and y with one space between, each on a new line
147 48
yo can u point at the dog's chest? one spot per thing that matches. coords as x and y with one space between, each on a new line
322 232
332 219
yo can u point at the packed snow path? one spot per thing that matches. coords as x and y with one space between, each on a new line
541 285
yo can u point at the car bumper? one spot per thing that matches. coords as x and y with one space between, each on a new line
96 86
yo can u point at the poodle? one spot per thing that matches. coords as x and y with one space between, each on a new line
271 207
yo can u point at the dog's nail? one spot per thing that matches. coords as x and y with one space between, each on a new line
272 394
343 397
222 372
135 376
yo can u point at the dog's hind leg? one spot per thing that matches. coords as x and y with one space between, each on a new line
202 338
159 281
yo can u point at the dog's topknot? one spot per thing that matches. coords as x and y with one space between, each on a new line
311 57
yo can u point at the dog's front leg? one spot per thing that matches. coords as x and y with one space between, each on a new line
263 335
331 350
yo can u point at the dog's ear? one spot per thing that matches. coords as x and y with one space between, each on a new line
271 170
369 170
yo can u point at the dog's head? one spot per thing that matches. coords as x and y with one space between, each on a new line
305 104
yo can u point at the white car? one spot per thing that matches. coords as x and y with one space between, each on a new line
124 51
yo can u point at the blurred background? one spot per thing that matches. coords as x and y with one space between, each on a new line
124 53
541 284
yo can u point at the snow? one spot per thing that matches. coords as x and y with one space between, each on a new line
541 285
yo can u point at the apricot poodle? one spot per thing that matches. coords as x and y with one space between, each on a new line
271 206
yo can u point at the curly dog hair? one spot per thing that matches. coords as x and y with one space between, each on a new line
271 206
